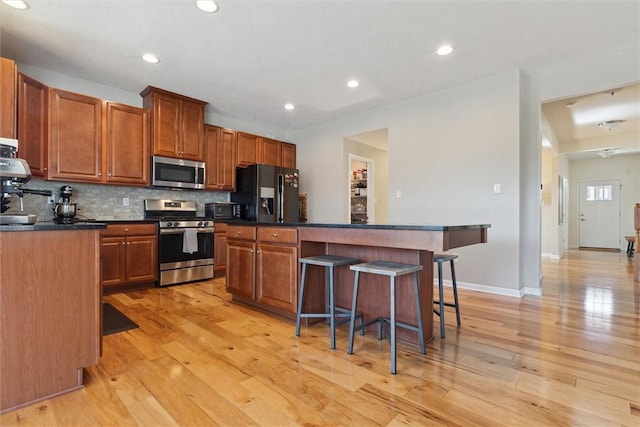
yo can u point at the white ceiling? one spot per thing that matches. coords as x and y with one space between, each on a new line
251 57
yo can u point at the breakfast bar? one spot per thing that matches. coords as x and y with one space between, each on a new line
263 268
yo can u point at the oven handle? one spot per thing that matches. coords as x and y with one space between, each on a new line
181 230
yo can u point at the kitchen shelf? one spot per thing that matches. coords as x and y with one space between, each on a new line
358 201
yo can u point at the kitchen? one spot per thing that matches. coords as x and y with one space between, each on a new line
320 184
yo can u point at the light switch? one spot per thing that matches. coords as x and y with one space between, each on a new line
398 194
125 201
496 188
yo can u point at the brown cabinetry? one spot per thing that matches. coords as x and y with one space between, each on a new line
219 249
246 149
75 142
288 155
177 124
270 152
33 124
129 255
220 155
8 85
262 266
127 144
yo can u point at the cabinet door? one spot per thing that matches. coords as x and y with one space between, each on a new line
76 137
8 84
270 152
142 259
219 251
241 261
220 157
288 155
113 261
277 276
165 125
211 138
246 149
127 144
192 131
33 124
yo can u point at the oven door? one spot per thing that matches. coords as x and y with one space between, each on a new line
177 266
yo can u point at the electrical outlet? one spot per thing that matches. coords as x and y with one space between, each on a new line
51 199
125 201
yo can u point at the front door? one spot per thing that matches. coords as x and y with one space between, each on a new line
599 214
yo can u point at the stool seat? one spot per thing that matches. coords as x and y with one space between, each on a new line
391 270
440 259
343 314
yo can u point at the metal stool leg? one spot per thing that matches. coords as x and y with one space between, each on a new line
354 307
332 309
392 328
416 286
301 298
455 292
441 292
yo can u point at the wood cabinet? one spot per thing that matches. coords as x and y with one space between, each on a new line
8 89
75 141
270 152
127 144
177 124
129 254
246 149
262 266
33 124
220 157
288 155
219 249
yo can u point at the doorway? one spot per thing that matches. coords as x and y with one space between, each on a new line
599 214
361 190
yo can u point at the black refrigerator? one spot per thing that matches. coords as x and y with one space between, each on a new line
267 193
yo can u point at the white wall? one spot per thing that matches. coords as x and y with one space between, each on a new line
446 150
625 168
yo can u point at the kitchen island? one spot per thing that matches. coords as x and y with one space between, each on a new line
50 309
263 270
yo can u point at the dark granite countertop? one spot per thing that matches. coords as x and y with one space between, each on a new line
363 226
52 226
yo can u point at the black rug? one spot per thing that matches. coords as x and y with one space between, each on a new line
113 321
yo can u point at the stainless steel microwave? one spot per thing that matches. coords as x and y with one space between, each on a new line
177 173
222 210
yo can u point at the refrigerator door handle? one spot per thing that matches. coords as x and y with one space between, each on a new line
280 197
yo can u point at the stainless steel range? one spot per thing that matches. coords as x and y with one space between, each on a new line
185 243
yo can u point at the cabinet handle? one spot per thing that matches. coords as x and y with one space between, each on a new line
45 169
238 233
275 234
126 230
123 243
128 243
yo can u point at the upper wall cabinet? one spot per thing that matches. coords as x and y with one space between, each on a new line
127 144
288 155
220 151
246 149
177 124
269 152
33 124
253 149
8 85
75 144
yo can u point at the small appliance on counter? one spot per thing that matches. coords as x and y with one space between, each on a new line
65 212
222 210
14 173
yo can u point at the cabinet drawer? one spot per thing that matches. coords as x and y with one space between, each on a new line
278 234
129 230
240 232
220 227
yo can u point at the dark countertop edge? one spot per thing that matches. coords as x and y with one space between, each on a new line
362 226
52 226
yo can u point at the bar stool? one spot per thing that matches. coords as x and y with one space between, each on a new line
329 262
630 243
440 259
392 270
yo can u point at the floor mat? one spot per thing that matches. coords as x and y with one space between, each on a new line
113 321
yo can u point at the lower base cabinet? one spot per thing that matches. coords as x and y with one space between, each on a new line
271 254
129 256
219 249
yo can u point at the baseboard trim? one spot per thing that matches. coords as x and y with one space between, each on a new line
516 293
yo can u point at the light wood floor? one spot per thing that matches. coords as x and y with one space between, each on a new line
570 357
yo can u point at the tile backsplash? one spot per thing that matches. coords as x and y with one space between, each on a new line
105 202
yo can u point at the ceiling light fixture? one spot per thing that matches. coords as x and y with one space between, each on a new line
289 106
150 58
606 153
445 49
16 4
610 125
353 83
208 6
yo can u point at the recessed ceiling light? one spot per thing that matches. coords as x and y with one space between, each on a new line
208 6
150 58
289 106
16 4
353 83
445 49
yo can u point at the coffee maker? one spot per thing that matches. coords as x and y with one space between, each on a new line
65 212
14 173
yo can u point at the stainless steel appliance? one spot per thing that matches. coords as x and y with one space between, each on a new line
14 173
267 193
177 173
222 210
64 212
185 241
